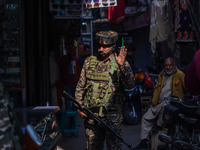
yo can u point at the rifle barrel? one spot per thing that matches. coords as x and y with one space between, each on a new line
96 118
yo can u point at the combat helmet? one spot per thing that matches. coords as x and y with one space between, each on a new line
107 37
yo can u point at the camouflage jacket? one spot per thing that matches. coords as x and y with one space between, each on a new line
122 78
6 140
9 140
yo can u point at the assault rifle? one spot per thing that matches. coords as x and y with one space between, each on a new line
100 122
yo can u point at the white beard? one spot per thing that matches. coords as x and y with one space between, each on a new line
169 73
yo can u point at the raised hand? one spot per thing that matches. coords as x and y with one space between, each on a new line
120 59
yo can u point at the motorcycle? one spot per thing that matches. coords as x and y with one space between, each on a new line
132 109
144 85
149 83
151 78
183 121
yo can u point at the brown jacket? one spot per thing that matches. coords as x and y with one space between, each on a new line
177 86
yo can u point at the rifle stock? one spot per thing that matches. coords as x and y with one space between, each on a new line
100 122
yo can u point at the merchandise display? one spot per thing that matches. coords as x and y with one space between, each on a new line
66 8
100 3
10 66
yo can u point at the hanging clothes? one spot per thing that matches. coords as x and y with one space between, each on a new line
117 13
159 26
182 22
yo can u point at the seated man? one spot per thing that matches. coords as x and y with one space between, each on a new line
170 83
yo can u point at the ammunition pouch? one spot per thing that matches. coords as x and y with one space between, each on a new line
94 93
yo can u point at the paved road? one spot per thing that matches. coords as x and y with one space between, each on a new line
130 134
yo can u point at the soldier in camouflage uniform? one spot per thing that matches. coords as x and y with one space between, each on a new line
100 88
8 139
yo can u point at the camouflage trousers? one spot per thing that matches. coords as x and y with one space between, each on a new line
95 135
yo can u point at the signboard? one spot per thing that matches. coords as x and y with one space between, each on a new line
100 3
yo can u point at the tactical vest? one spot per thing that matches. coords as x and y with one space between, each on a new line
95 95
